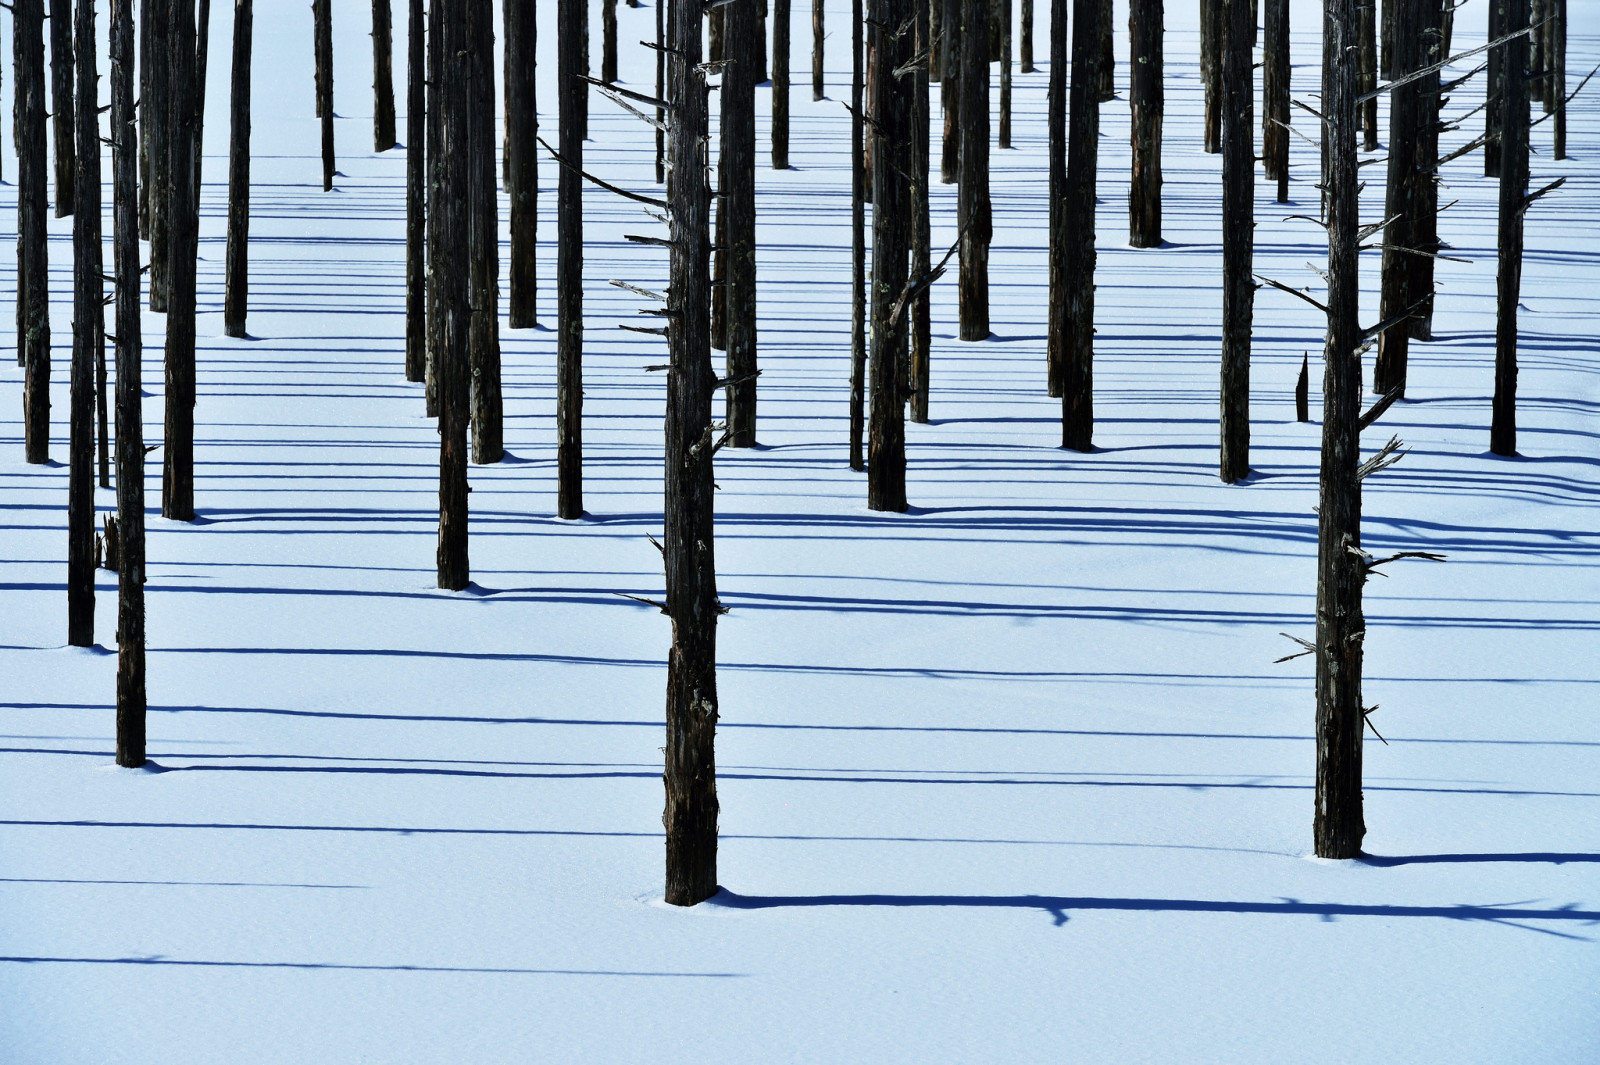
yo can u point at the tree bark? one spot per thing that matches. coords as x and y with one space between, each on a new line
1211 71
1238 236
88 333
451 200
950 91
1401 241
177 481
891 232
1302 391
1338 825
143 104
661 92
972 205
1386 40
921 229
322 17
608 41
1147 98
1026 46
522 159
1430 49
688 540
33 267
1513 206
572 16
416 197
1492 112
780 85
202 37
737 166
1367 70
1056 121
1077 222
156 107
433 165
1275 88
383 124
488 421
61 108
1108 66
1004 136
1558 76
236 303
858 243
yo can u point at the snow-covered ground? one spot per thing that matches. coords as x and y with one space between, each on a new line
1009 778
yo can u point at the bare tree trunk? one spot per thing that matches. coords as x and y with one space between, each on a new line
688 541
1401 243
1492 112
1004 137
571 18
236 304
1367 70
714 31
522 159
972 203
1513 207
383 126
921 229
1147 98
156 107
950 91
202 37
1108 65
1558 76
1338 824
435 255
1077 222
144 104
88 330
737 163
1211 71
1238 236
1056 121
661 91
177 481
1386 40
818 35
780 85
488 419
451 206
1026 46
416 197
858 243
33 267
608 41
891 231
1430 50
322 16
1275 82
61 103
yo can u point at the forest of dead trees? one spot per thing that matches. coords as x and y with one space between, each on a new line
148 114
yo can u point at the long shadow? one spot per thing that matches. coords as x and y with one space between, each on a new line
158 959
179 883
1530 857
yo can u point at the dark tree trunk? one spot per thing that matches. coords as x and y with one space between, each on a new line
1238 236
177 482
1211 71
202 31
780 85
33 267
1003 138
416 200
608 41
762 73
236 304
688 543
88 332
1275 81
1056 120
144 104
383 137
858 243
1401 241
1558 76
156 107
451 203
1338 824
130 420
1386 40
572 15
891 232
818 35
1026 45
921 230
522 159
61 108
1108 66
737 164
1492 112
322 16
661 92
488 423
1513 206
1367 71
1147 98
950 90
1076 220
434 254
1430 50
972 203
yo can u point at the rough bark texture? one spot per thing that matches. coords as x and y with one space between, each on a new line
236 303
1367 70
608 41
891 233
1496 60
1238 236
33 292
1056 120
416 197
61 104
488 422
1558 77
1076 220
818 35
130 423
858 244
1302 391
950 90
921 229
1108 65
433 165
177 472
1146 97
737 166
1025 46
688 541
1211 71
450 198
156 108
1386 39
1003 138
1426 202
1338 825
1275 88
144 116
972 203
522 160
202 39
322 17
383 127
574 101
1401 194
780 84
1513 205
661 92
88 336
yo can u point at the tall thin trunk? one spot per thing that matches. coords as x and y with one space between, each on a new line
435 256
156 108
33 266
1077 222
1275 80
688 540
1401 242
522 159
1367 70
780 84
921 229
737 212
177 481
1513 205
322 16
950 91
145 115
661 92
858 243
488 419
608 41
61 108
1211 71
571 18
383 126
1147 99
1003 138
130 419
1430 49
1558 76
972 203
1238 236
202 45
818 35
1056 121
891 233
1386 40
1026 45
88 332
236 303
761 72
1108 65
450 200
416 197
1494 88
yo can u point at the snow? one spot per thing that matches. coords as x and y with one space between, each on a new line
1009 778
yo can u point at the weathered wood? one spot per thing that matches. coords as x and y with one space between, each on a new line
488 406
1513 205
1386 40
858 241
88 331
891 233
450 200
1211 72
61 108
1430 47
608 41
1558 77
1056 152
1494 88
1025 53
202 45
972 201
383 121
236 302
522 161
780 84
1367 71
571 18
1302 391
1401 241
921 228
156 108
1238 236
737 168
416 195
177 452
950 90
1147 99
33 267
144 116
1276 73
1076 220
1003 137
1108 65
433 166
322 19
661 91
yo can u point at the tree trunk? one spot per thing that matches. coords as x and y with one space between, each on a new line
1211 71
322 16
488 420
434 253
1238 236
1108 66
608 41
143 104
61 108
1147 98
1400 239
1338 825
688 541
33 267
1513 206
1056 121
416 201
1026 46
661 93
921 229
950 91
177 481
88 330
451 201
130 419
383 137
972 204
236 303
202 32
858 243
572 15
1367 70
1558 76
891 232
1386 40
780 85
1496 61
1429 50
1076 220
737 166
1004 136
1275 82
818 35
522 159
156 106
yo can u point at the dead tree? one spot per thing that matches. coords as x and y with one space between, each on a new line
202 44
450 201
1026 45
921 228
972 202
818 35
1425 191
1402 245
1211 71
383 127
1147 98
1514 202
1108 65
950 89
433 168
236 302
661 93
522 161
88 334
155 107
780 84
1056 122
1075 221
177 481
1386 41
1003 138
1367 71
737 166
1494 91
61 108
130 419
688 540
322 17
571 18
146 92
891 232
1558 75
488 420
858 242
33 266
416 196
1275 82
608 41
1238 236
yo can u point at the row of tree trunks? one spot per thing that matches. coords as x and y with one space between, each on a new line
1146 98
522 159
130 418
972 203
1401 241
1513 206
1056 123
383 123
891 232
1238 236
33 282
1075 229
155 108
177 483
818 35
88 334
688 540
450 200
1367 70
1211 72
1275 87
858 242
737 212
61 103
921 227
322 18
488 425
780 85
236 301
571 63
